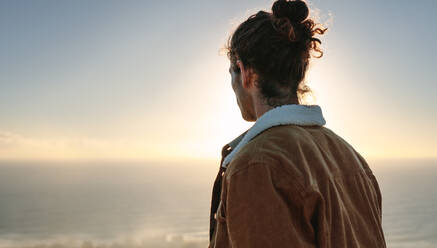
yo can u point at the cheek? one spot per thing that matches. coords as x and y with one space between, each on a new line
235 81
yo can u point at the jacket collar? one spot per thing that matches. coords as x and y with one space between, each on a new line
297 114
237 140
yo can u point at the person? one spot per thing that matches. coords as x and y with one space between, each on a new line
288 181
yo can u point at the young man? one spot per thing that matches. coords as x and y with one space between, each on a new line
288 181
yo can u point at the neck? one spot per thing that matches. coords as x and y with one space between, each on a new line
260 106
261 109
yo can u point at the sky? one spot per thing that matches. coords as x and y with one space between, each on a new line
148 80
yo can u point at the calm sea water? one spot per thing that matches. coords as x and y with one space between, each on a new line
163 205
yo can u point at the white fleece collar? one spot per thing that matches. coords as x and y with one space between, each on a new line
297 114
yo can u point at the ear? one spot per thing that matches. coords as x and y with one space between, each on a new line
246 75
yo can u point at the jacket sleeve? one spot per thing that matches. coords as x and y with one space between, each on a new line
264 209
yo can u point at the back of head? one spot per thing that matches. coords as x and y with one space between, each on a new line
277 45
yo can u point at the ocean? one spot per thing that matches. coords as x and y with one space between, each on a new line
137 205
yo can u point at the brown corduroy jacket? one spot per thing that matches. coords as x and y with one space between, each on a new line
295 186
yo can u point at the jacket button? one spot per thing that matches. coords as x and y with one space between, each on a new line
223 173
215 215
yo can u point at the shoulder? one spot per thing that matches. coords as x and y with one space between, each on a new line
275 146
263 178
302 152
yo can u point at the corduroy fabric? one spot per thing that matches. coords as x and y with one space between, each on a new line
296 186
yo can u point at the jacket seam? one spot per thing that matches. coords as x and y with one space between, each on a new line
299 188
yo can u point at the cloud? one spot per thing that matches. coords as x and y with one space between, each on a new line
17 146
14 146
7 139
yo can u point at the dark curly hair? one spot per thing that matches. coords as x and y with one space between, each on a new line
277 46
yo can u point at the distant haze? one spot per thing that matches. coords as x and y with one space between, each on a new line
145 80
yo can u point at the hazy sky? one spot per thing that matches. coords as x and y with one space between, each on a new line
145 79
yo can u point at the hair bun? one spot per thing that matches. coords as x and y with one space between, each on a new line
296 11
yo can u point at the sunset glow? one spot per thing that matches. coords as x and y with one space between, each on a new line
115 83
